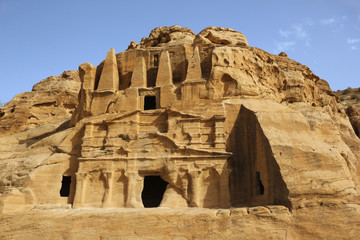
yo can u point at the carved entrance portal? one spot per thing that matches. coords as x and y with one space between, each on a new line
65 186
153 192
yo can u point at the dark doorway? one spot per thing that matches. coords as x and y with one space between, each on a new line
259 185
149 102
65 186
154 188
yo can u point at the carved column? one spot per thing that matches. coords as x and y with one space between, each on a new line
193 128
186 91
133 199
224 192
107 200
184 187
80 193
195 187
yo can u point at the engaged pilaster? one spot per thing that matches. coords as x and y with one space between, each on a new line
195 187
107 202
80 193
133 197
224 187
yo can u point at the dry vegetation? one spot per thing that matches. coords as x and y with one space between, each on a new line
349 96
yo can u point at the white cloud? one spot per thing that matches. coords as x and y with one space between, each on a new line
309 22
284 33
300 32
335 23
297 32
283 46
327 21
354 43
353 40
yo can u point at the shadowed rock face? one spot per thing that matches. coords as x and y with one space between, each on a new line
350 97
354 115
189 121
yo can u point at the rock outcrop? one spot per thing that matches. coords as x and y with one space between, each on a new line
161 36
354 115
221 36
192 124
350 98
51 100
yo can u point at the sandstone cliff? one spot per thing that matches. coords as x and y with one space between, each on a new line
350 97
354 115
51 100
221 140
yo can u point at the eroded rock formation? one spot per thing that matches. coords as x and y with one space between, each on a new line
51 100
189 121
354 115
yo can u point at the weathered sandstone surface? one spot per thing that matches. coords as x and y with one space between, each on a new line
51 100
354 115
350 98
273 222
181 136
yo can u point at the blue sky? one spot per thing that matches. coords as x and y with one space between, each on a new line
40 38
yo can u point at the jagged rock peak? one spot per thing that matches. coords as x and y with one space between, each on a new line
67 81
169 35
181 35
221 36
